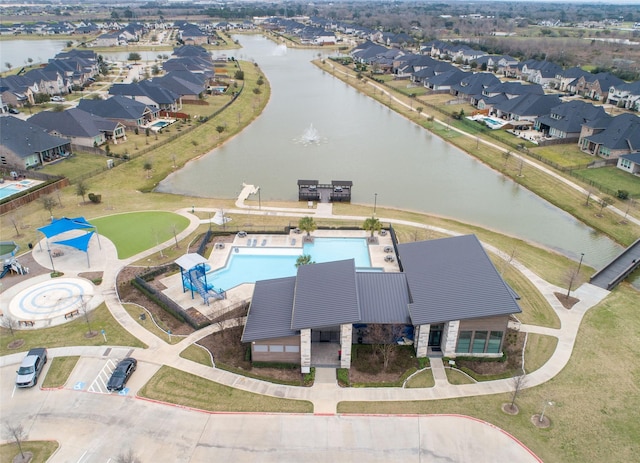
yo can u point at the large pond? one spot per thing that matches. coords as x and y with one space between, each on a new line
389 159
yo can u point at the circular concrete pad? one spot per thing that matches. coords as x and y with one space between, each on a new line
50 299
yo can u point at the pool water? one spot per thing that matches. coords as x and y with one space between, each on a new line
8 190
248 265
160 124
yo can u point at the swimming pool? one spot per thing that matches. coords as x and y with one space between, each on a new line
8 190
160 124
248 265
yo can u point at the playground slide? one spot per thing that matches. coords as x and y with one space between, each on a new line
5 271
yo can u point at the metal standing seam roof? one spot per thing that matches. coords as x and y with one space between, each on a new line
453 279
384 297
189 261
325 295
270 311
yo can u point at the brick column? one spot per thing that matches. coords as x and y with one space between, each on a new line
305 347
450 338
346 340
421 340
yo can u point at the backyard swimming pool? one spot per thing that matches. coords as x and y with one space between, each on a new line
248 265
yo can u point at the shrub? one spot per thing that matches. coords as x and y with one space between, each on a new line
97 199
622 194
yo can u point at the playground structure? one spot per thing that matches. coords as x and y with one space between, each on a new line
12 265
193 269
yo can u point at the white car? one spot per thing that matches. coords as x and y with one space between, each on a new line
57 99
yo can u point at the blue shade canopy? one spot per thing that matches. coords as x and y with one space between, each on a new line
64 225
80 242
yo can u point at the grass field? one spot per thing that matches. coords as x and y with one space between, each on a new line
614 179
41 451
203 394
72 334
138 231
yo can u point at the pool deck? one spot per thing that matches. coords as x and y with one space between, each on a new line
19 185
235 296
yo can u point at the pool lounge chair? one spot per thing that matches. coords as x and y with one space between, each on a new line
255 242
264 242
293 241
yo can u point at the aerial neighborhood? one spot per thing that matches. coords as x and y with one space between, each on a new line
339 230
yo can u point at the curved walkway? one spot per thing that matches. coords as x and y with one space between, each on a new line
326 395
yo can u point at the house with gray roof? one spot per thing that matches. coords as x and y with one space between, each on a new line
445 81
128 112
596 86
630 163
610 137
25 145
525 107
565 120
150 94
625 95
448 297
190 86
81 127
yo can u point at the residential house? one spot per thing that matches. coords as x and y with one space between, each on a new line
596 86
527 107
630 163
190 86
192 35
128 112
150 94
539 72
49 81
25 145
108 39
448 298
565 120
611 137
17 91
81 127
366 52
445 81
439 67
625 95
565 80
472 87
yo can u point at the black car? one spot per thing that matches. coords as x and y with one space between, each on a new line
121 374
14 111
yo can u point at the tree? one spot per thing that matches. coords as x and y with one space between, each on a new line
590 192
507 155
383 338
18 434
135 57
304 259
372 224
8 65
147 166
10 323
518 383
81 190
307 224
115 15
128 13
604 202
29 60
239 75
48 202
14 218
220 129
85 312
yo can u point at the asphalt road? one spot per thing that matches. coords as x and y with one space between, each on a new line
94 426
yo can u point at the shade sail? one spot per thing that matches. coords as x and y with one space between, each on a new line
79 242
63 225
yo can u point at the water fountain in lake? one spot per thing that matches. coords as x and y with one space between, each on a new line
310 136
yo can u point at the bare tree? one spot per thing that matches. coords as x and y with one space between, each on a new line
81 189
383 338
604 202
48 202
14 218
175 235
590 192
10 323
518 383
17 433
127 457
506 155
87 315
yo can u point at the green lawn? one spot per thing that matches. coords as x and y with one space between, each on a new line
72 334
613 178
138 231
76 166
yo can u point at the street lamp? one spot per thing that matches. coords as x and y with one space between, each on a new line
375 202
544 407
51 258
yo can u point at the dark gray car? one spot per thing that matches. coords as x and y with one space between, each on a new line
121 374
